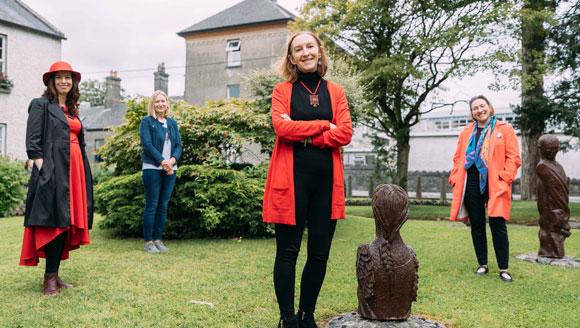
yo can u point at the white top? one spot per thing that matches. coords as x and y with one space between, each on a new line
166 151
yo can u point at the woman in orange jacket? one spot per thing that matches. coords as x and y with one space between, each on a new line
305 185
484 166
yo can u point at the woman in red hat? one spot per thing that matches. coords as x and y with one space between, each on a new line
59 204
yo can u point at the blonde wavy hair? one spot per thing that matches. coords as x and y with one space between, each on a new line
151 108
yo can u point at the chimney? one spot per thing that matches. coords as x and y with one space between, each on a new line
161 78
112 89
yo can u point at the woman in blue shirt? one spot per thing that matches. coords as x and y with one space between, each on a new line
161 149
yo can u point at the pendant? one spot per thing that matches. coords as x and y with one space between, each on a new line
314 100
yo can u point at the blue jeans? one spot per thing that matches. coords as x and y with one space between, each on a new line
158 187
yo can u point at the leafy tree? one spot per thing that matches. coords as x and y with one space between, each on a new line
565 54
93 92
208 133
405 50
547 31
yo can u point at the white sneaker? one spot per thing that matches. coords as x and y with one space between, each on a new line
150 248
160 246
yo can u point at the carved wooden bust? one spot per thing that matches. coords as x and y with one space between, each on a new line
552 198
387 268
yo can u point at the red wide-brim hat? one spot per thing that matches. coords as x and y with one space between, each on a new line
60 66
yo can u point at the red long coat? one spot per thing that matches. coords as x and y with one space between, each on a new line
278 205
501 172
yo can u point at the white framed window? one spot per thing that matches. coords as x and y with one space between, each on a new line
3 53
233 91
457 123
2 139
359 160
234 55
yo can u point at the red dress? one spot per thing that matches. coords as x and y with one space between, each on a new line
35 237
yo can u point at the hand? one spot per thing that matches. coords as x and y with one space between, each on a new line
169 172
166 164
332 126
38 162
286 117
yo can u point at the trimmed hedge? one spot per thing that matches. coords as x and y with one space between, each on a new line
13 182
206 202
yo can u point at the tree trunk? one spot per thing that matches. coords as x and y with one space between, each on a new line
403 149
528 170
533 55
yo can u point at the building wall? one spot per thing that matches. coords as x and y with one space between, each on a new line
28 56
207 75
435 153
90 138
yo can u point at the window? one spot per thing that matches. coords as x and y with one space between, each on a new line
359 160
234 56
233 91
2 139
98 144
2 53
442 124
457 123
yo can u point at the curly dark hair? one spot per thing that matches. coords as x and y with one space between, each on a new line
72 98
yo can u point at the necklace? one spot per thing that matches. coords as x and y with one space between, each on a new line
313 96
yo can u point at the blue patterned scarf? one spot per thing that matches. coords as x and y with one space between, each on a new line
478 154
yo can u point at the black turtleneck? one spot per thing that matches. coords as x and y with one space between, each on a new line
311 159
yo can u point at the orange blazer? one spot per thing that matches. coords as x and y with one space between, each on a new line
501 172
278 204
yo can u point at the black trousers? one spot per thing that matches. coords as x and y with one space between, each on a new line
313 196
53 251
475 204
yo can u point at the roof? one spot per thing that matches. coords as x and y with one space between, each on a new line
244 14
16 12
100 118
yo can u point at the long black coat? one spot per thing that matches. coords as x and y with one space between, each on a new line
48 137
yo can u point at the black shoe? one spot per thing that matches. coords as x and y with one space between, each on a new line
306 320
504 279
481 273
290 322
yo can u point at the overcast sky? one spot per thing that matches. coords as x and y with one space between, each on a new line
133 36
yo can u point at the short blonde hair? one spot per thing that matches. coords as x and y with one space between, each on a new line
288 70
491 109
151 108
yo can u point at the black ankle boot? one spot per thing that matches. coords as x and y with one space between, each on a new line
306 320
289 322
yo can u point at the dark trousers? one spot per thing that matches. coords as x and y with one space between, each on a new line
53 251
475 204
313 196
158 188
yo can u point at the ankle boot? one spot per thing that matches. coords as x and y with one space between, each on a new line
62 284
290 322
306 320
50 287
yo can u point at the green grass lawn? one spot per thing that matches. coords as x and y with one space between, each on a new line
522 211
118 285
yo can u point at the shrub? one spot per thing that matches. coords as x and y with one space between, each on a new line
13 180
209 133
206 201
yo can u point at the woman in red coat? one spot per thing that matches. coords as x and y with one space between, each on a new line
59 204
484 166
305 185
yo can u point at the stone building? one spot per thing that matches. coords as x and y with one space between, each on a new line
28 46
231 43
